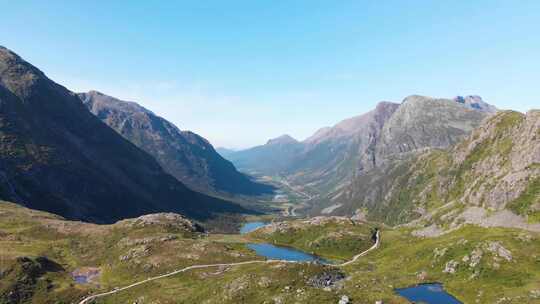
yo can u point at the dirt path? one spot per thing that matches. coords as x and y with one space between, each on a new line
89 299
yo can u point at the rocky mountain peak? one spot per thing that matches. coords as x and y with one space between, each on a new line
422 122
475 102
281 140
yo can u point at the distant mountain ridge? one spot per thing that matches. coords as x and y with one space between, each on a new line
58 157
183 154
271 158
329 159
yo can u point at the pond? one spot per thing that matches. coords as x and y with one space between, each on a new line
274 252
427 293
250 226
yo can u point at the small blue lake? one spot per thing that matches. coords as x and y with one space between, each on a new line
274 252
248 227
428 294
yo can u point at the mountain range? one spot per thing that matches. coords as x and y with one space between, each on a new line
426 190
185 155
491 177
442 162
330 158
57 156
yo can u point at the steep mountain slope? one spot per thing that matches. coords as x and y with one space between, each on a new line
271 158
183 154
424 122
490 178
334 155
56 156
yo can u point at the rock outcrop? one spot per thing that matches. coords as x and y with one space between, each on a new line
423 122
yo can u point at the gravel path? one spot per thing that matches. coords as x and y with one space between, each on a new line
89 299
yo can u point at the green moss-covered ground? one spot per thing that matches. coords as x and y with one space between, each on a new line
38 252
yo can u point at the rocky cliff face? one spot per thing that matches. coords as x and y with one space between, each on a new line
183 154
56 156
424 122
334 155
495 169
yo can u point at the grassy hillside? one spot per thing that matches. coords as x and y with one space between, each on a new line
124 252
40 252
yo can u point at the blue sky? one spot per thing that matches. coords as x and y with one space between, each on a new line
241 72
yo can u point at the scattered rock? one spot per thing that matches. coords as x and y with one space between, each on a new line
451 266
438 253
429 231
499 250
422 275
264 282
278 300
137 252
237 285
476 256
344 300
326 278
